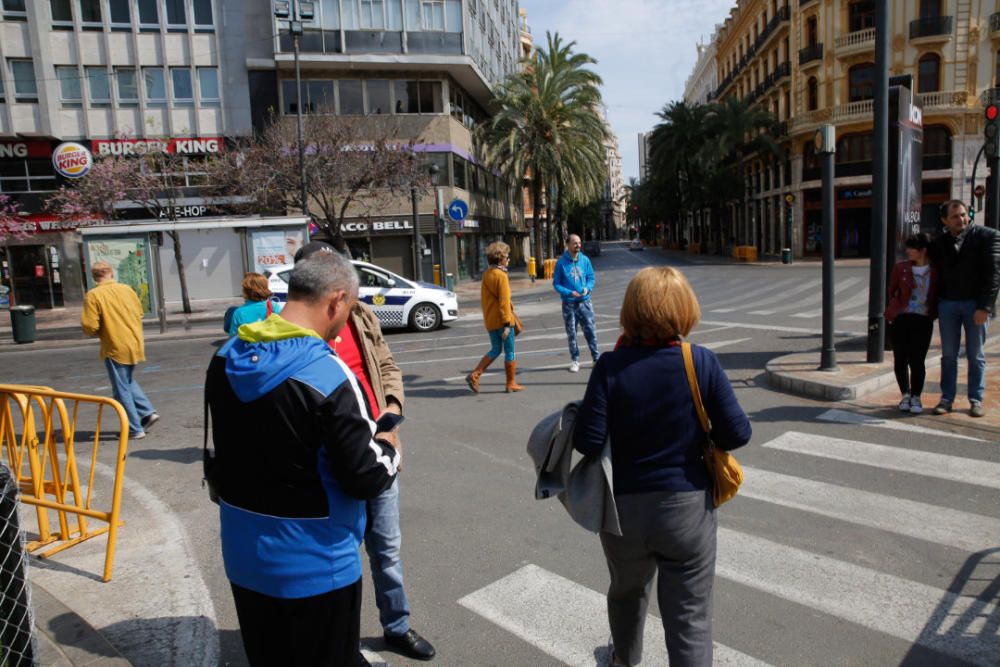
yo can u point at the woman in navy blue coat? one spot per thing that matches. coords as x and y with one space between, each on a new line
638 395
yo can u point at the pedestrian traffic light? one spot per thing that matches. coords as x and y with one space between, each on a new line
992 131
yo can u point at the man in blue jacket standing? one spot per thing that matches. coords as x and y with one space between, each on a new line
574 280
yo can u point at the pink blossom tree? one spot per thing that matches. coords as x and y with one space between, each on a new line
11 220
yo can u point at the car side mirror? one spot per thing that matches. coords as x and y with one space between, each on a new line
390 282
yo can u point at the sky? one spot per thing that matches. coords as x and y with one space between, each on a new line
645 51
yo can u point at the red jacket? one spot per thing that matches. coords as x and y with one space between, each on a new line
901 287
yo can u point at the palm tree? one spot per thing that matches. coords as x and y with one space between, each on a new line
681 157
548 129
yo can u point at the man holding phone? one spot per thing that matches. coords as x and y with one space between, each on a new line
362 347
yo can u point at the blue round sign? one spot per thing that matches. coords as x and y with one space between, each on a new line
458 210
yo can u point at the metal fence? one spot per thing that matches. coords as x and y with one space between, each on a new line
17 640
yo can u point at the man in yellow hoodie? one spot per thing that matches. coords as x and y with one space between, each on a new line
112 311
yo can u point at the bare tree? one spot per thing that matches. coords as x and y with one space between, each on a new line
349 162
11 220
153 181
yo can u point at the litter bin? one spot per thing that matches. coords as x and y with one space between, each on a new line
22 323
786 255
449 282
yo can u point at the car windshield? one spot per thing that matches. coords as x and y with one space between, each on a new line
369 278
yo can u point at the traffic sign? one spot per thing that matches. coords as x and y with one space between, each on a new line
458 210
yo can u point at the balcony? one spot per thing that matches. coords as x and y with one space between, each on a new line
783 15
845 113
944 99
855 42
938 27
990 96
811 55
995 24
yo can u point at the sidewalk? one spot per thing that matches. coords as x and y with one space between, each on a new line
64 639
766 260
873 386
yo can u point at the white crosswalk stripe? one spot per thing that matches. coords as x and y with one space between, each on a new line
927 464
569 621
971 532
847 417
784 296
840 287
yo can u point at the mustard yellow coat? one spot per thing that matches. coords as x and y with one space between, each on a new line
498 311
112 311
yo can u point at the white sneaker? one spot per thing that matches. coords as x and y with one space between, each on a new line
915 405
574 367
904 405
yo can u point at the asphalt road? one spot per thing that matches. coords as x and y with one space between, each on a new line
856 541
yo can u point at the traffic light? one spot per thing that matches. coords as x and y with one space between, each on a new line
992 131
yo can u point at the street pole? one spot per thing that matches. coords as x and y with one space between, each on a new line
993 194
825 140
442 230
418 272
301 123
880 187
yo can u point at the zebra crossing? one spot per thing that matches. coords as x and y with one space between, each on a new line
950 617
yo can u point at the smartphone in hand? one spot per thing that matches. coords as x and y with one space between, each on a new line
388 421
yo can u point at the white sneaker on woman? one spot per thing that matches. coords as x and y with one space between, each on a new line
915 406
904 405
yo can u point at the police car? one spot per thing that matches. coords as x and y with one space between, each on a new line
396 301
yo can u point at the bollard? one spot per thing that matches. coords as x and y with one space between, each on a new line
437 274
532 269
449 282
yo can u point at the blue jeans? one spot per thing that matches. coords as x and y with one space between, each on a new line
382 541
582 313
953 317
128 392
497 342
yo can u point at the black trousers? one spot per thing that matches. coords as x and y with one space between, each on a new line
911 336
319 631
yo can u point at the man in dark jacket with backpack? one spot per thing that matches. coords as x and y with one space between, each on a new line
967 257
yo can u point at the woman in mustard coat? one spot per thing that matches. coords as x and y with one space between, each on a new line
498 316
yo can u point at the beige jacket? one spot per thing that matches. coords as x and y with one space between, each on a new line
112 311
386 378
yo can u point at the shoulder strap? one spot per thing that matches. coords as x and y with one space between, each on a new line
270 307
692 379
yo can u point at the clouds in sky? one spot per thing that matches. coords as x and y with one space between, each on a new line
645 51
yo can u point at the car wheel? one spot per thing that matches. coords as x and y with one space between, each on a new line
425 317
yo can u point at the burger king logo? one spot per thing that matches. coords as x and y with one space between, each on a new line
72 160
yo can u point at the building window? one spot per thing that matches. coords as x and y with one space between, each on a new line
996 72
3 97
372 15
929 73
154 86
352 101
14 10
70 93
121 16
176 19
379 101
99 86
208 85
149 18
812 94
90 14
62 14
861 82
31 175
317 96
180 79
854 148
128 86
432 14
861 15
812 31
930 9
203 20
25 87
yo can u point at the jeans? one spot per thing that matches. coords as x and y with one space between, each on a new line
382 541
128 392
582 313
497 342
953 317
672 535
911 336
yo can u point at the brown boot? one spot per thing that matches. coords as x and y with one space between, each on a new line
510 367
472 379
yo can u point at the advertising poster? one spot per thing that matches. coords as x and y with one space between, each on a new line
274 248
906 136
130 260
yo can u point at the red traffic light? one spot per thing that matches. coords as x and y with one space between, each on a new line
992 111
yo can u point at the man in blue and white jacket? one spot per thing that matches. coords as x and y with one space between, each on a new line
574 280
296 456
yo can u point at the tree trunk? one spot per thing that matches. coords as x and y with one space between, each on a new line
181 273
337 235
548 225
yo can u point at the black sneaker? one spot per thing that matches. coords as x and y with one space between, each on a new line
410 644
149 420
942 408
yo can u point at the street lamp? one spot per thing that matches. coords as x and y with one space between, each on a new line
297 12
418 268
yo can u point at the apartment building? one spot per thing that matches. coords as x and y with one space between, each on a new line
812 62
704 78
614 188
186 76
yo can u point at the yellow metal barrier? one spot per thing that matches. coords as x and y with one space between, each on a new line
745 253
549 266
48 475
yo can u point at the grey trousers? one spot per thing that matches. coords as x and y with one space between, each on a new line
671 534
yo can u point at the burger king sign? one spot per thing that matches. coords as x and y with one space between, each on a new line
72 160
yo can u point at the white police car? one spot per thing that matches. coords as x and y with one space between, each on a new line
396 301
